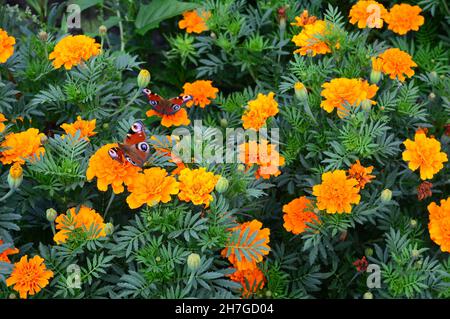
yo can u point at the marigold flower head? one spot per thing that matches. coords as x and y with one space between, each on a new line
337 192
2 119
297 214
151 187
109 171
72 50
6 46
259 110
396 63
311 39
424 153
17 147
368 14
424 190
361 264
439 225
251 280
196 185
255 236
194 22
86 128
8 251
29 276
361 174
304 19
403 18
201 91
264 155
176 119
79 221
340 91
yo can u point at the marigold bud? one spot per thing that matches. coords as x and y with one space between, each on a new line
222 185
386 195
366 105
431 96
102 30
375 76
143 78
43 36
51 215
368 295
15 176
413 223
193 261
368 252
300 91
223 122
268 294
109 229
12 296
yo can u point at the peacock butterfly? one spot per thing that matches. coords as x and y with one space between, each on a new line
166 106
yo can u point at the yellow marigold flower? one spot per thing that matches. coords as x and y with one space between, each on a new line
257 235
86 128
201 91
336 193
29 276
361 174
311 39
251 280
403 18
396 63
264 155
194 22
298 212
439 225
259 110
340 91
77 221
20 146
196 185
304 19
109 171
8 251
151 187
2 119
424 153
368 14
72 50
177 119
6 46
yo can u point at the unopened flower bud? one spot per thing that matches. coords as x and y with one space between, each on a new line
300 91
193 261
413 223
222 185
386 195
268 294
15 176
105 126
43 36
213 35
431 96
368 252
415 253
158 259
433 76
375 76
51 215
109 229
223 122
368 295
366 104
102 30
12 296
143 78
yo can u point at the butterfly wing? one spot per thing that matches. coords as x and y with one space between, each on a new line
164 106
177 102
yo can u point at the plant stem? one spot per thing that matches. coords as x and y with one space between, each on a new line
7 195
122 43
109 204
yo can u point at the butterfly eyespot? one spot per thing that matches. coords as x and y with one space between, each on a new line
153 103
130 160
136 127
186 97
143 146
112 153
176 107
146 91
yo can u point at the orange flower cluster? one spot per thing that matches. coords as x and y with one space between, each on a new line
340 91
196 186
2 119
8 251
304 19
311 39
439 225
86 128
403 18
78 220
202 91
29 276
109 171
264 155
394 62
176 119
251 280
72 50
259 110
298 213
361 174
6 46
368 14
194 22
424 153
337 192
151 187
21 146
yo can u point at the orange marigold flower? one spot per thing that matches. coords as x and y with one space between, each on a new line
251 280
86 128
340 91
79 221
259 110
368 14
151 187
177 119
395 63
2 119
304 19
403 18
109 171
297 213
196 185
439 225
311 39
29 276
201 91
361 174
6 46
264 155
17 147
255 245
8 251
337 192
73 50
424 153
194 22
